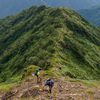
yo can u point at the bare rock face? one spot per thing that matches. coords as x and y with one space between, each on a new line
8 95
62 90
31 92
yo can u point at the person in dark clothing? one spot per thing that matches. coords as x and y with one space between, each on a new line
48 83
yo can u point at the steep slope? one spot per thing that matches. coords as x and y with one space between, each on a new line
59 36
11 7
92 14
29 89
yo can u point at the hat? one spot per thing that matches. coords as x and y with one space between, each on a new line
48 79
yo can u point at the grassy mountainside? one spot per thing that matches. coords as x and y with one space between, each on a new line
92 14
59 36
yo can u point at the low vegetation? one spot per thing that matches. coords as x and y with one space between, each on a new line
43 34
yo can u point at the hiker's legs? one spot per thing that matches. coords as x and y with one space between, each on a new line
40 79
50 87
37 78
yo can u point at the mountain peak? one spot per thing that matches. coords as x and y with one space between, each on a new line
58 35
42 7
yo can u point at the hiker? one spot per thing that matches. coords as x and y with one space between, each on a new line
49 83
37 73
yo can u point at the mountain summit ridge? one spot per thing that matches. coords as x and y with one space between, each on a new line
43 34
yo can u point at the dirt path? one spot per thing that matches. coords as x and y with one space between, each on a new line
1 94
61 34
62 90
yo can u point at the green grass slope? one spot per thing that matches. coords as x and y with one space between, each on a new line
92 14
58 35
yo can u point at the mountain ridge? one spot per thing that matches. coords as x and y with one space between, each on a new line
43 34
10 7
92 15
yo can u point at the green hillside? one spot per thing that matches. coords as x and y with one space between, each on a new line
59 36
92 14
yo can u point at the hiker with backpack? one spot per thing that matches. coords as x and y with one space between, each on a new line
37 73
48 83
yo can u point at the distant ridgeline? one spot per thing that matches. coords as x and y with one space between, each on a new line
11 7
92 14
43 34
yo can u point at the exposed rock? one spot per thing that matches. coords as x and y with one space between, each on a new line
62 90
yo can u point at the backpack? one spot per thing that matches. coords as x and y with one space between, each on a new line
36 72
49 82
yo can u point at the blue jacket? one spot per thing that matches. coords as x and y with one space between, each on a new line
48 83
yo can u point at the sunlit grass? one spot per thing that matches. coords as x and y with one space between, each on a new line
5 87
